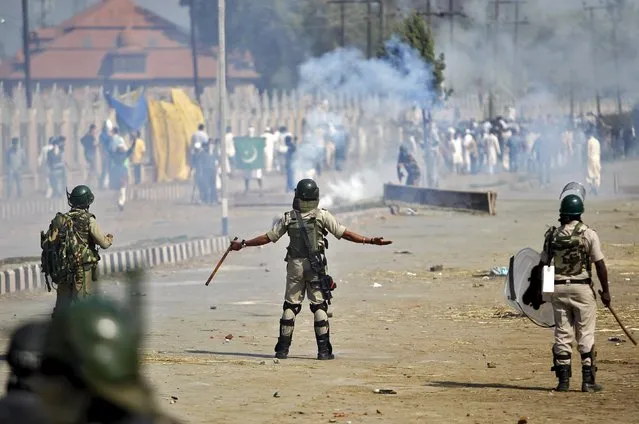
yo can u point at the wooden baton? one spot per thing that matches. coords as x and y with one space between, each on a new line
614 314
219 264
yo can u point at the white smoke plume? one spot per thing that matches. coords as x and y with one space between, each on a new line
392 89
557 50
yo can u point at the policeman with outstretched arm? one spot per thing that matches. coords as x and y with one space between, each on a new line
307 225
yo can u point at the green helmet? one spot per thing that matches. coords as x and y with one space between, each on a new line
307 190
97 341
571 205
80 197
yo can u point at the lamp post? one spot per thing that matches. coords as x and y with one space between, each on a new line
221 90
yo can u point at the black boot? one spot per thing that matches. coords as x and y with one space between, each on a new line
282 346
563 373
588 380
324 347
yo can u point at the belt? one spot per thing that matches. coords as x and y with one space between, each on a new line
586 281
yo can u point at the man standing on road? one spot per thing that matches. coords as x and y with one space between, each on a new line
57 167
106 141
199 136
574 247
119 174
90 145
307 225
137 156
289 160
594 163
78 276
16 162
407 160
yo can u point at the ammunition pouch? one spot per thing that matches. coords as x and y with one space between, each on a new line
326 285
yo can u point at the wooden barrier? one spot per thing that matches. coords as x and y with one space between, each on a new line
453 199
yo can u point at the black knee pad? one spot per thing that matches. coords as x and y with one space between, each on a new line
295 308
316 307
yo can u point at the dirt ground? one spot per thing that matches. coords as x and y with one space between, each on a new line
429 336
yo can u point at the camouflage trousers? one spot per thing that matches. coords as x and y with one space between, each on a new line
77 287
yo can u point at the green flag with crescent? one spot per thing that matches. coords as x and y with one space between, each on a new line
249 152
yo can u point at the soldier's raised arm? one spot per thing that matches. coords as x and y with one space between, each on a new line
278 230
102 240
333 226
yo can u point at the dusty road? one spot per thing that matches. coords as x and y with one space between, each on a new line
428 336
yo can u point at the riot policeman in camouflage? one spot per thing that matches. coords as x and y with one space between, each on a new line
574 247
21 404
307 225
69 248
91 371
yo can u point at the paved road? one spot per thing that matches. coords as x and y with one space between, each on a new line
144 223
424 334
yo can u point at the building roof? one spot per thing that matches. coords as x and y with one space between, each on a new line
85 46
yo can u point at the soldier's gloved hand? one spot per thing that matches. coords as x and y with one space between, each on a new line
379 241
605 298
236 245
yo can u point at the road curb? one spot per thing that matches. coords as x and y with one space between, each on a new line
29 277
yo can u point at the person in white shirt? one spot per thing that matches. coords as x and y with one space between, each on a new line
458 153
230 149
594 163
469 144
252 174
119 176
199 136
42 164
492 150
269 149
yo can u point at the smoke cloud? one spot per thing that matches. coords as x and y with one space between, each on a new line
557 51
392 87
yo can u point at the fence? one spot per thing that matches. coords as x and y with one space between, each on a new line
69 112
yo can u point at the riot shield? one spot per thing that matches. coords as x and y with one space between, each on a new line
574 188
517 282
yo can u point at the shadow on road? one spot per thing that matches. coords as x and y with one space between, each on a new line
466 385
243 354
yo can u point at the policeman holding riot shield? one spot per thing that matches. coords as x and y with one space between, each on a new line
307 225
573 247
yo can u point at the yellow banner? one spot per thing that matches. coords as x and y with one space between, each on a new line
172 124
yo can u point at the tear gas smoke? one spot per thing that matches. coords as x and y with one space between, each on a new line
557 51
386 90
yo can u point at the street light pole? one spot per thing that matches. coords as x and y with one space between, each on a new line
221 89
27 52
196 78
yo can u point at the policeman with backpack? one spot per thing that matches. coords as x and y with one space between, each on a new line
307 225
574 248
69 248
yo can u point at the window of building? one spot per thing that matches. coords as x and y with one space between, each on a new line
130 64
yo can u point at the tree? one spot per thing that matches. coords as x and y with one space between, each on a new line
278 33
415 33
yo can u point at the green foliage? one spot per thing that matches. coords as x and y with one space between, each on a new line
414 32
272 30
